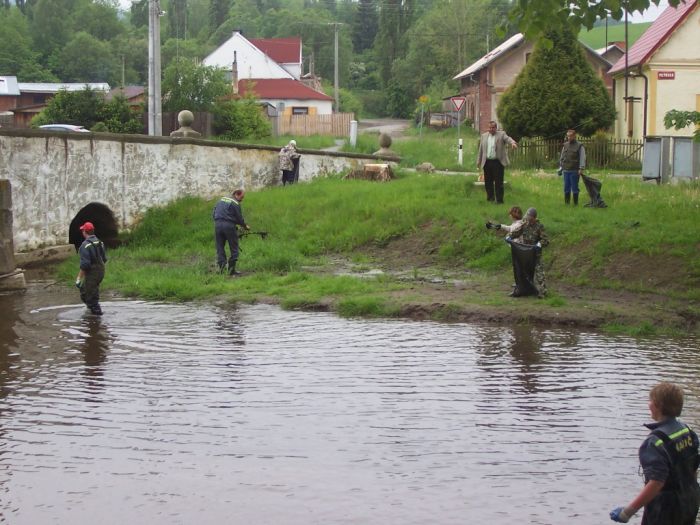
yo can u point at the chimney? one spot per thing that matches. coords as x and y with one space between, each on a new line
234 75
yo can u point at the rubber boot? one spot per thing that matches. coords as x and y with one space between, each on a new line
232 270
567 198
575 199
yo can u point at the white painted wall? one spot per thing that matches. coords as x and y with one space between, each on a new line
53 177
252 63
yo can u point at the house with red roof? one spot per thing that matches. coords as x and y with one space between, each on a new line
271 69
660 72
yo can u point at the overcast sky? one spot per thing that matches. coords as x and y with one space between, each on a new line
648 16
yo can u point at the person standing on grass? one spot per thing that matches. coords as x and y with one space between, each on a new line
516 214
492 157
572 162
227 215
92 268
669 459
289 163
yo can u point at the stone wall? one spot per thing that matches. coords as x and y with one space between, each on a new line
54 176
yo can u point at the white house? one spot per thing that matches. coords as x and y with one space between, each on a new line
252 61
270 68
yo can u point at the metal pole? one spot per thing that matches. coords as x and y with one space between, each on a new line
151 87
335 72
155 111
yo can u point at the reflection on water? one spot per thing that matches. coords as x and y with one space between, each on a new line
162 413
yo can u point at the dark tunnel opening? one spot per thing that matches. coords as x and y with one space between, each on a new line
102 218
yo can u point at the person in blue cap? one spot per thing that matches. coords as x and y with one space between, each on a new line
669 459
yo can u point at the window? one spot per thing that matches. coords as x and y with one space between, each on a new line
300 110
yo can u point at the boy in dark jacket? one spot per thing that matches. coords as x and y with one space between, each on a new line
92 268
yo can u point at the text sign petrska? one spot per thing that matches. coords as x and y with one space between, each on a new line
665 75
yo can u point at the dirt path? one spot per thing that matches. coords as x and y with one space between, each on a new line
393 127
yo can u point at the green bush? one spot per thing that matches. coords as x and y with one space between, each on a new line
239 119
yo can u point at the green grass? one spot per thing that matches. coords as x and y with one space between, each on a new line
595 38
170 255
313 142
440 148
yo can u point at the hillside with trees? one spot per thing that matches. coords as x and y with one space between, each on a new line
390 51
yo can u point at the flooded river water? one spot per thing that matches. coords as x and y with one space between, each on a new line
196 414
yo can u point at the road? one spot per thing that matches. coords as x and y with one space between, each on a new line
393 127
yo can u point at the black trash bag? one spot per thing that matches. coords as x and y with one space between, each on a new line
524 259
593 188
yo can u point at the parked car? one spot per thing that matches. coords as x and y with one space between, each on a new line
64 128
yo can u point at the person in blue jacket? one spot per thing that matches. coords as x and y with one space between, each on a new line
92 268
227 215
669 459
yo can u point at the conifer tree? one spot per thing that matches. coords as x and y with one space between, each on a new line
556 90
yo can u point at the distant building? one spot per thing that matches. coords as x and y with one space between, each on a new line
271 69
484 82
24 100
663 73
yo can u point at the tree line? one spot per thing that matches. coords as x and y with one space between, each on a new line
390 51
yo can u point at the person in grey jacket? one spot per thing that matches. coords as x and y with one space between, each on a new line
493 158
572 162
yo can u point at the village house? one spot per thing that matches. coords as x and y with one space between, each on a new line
663 73
270 69
483 83
21 101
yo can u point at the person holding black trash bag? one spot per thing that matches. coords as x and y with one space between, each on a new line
526 242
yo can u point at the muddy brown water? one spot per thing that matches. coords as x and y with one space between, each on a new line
182 413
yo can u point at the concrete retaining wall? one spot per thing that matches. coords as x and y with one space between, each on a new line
54 176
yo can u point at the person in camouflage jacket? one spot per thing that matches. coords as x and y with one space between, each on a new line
531 231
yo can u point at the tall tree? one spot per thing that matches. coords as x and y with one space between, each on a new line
194 87
86 59
218 12
395 18
365 25
556 90
139 13
20 59
50 25
177 18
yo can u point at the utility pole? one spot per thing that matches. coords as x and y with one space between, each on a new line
155 111
335 70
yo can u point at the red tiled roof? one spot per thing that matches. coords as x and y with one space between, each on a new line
281 50
280 88
656 35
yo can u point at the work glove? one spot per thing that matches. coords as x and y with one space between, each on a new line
490 225
560 171
538 247
78 283
509 239
619 515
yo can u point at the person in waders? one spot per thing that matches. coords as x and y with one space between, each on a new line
227 215
92 268
669 458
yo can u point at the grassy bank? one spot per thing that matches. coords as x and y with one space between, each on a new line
439 147
329 239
